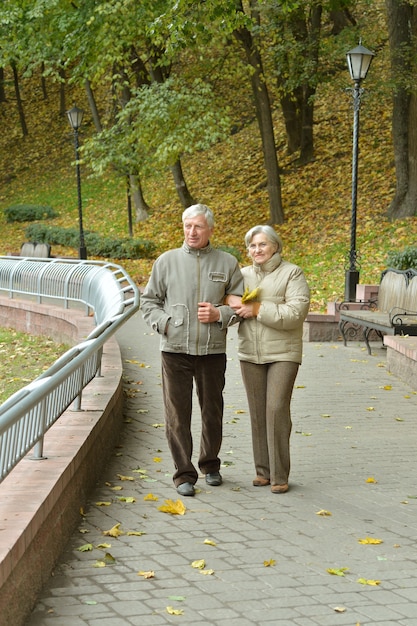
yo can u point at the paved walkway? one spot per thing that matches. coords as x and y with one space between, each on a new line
266 556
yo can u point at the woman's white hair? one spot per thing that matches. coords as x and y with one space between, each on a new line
266 230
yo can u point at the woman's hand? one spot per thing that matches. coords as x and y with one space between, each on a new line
248 310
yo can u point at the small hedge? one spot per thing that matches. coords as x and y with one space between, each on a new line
96 245
404 260
28 213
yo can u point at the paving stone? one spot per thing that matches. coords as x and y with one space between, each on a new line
352 421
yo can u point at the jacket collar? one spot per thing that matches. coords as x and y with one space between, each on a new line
270 265
189 250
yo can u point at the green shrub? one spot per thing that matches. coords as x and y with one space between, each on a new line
404 260
231 250
28 213
96 245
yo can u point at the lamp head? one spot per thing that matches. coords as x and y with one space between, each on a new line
75 117
359 60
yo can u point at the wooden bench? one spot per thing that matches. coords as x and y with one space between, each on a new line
393 313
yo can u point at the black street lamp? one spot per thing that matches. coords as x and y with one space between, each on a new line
75 117
359 60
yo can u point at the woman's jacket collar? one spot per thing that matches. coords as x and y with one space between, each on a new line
270 265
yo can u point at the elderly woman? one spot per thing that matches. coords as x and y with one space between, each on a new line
273 309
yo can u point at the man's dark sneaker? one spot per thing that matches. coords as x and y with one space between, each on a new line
214 479
186 489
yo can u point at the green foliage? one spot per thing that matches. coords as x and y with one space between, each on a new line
403 260
97 245
160 124
28 213
231 250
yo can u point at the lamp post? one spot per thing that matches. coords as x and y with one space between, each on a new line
359 60
75 117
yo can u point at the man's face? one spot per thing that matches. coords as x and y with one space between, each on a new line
197 232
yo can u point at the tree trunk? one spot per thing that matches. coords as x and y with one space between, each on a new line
2 89
309 91
93 107
264 117
43 82
62 98
184 195
139 201
401 19
19 100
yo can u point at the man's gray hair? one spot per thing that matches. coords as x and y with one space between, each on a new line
266 230
199 209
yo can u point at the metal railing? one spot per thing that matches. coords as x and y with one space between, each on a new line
105 290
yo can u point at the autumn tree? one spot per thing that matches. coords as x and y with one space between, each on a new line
402 29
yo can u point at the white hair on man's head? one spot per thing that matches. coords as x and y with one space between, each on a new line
266 230
199 209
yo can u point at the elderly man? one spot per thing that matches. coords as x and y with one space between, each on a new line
183 302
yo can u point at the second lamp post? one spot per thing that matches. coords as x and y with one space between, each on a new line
75 117
359 60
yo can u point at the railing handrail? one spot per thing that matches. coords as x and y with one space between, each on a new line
104 288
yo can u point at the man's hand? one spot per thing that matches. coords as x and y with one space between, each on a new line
207 313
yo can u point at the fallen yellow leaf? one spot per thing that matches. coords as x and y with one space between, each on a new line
210 542
370 540
135 533
207 572
103 503
338 571
149 574
121 477
157 459
324 513
200 564
173 611
339 609
150 496
364 581
174 508
270 563
371 479
113 532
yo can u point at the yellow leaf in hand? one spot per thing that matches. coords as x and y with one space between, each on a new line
174 508
250 296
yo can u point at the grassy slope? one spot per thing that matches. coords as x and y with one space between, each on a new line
229 178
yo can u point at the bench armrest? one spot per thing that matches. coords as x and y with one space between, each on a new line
358 305
399 317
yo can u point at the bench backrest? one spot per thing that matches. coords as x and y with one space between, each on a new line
411 294
392 290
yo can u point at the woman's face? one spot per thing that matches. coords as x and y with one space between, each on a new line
261 248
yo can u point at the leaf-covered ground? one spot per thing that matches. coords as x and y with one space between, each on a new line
229 178
23 358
